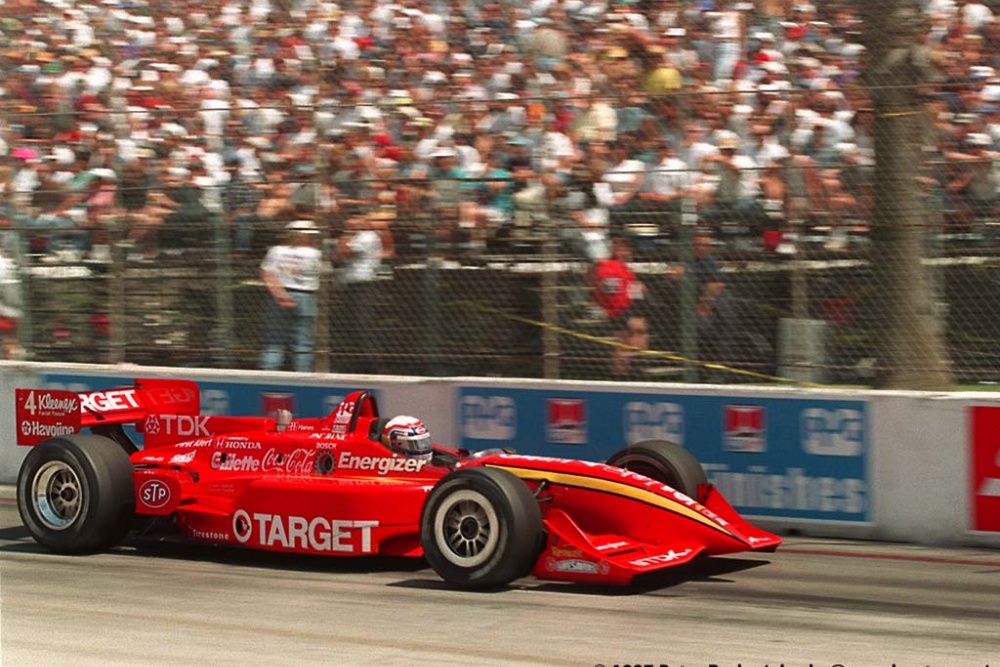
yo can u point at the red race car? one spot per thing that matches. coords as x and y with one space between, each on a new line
353 483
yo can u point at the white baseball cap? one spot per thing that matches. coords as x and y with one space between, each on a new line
302 227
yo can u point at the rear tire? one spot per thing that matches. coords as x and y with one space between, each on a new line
666 462
75 494
481 528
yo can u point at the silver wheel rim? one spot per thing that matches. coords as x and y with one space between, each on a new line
56 495
466 528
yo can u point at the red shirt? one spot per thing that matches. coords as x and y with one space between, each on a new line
612 279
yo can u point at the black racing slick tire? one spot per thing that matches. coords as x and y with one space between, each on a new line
75 494
665 462
481 528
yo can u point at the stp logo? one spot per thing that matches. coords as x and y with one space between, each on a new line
154 494
833 432
653 421
489 417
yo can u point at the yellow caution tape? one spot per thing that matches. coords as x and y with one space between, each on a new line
658 354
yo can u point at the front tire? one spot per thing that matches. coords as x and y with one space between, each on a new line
481 528
75 494
666 462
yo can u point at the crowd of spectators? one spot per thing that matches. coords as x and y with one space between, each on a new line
153 119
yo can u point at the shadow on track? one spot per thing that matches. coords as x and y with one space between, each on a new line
13 533
709 569
233 555
175 549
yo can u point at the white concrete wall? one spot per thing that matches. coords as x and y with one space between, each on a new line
919 457
919 467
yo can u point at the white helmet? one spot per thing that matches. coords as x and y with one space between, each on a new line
408 436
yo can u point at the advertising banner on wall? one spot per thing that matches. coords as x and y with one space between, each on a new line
984 483
780 457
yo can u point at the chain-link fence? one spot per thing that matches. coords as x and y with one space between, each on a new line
753 271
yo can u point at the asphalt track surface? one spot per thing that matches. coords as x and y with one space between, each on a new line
815 602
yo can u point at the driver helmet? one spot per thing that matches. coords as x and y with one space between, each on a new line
409 437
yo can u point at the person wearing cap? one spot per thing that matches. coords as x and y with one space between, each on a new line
767 49
188 224
729 34
625 174
772 12
550 40
735 199
715 308
679 55
360 251
773 183
586 200
528 188
669 180
240 199
595 120
556 150
856 179
493 194
291 272
974 179
449 194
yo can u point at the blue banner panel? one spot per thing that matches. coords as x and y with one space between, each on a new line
780 457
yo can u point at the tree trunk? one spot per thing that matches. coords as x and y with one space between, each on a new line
911 351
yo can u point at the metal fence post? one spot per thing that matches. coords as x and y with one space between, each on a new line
550 297
323 300
117 309
25 339
328 246
432 302
689 330
801 340
798 200
223 329
936 275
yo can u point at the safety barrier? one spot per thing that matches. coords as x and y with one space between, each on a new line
905 466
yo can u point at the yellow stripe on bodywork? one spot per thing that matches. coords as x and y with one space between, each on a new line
617 489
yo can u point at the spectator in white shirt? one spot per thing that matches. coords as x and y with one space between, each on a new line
667 182
291 272
729 35
587 201
557 149
736 197
360 250
625 173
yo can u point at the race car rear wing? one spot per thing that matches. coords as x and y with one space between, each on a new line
48 413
